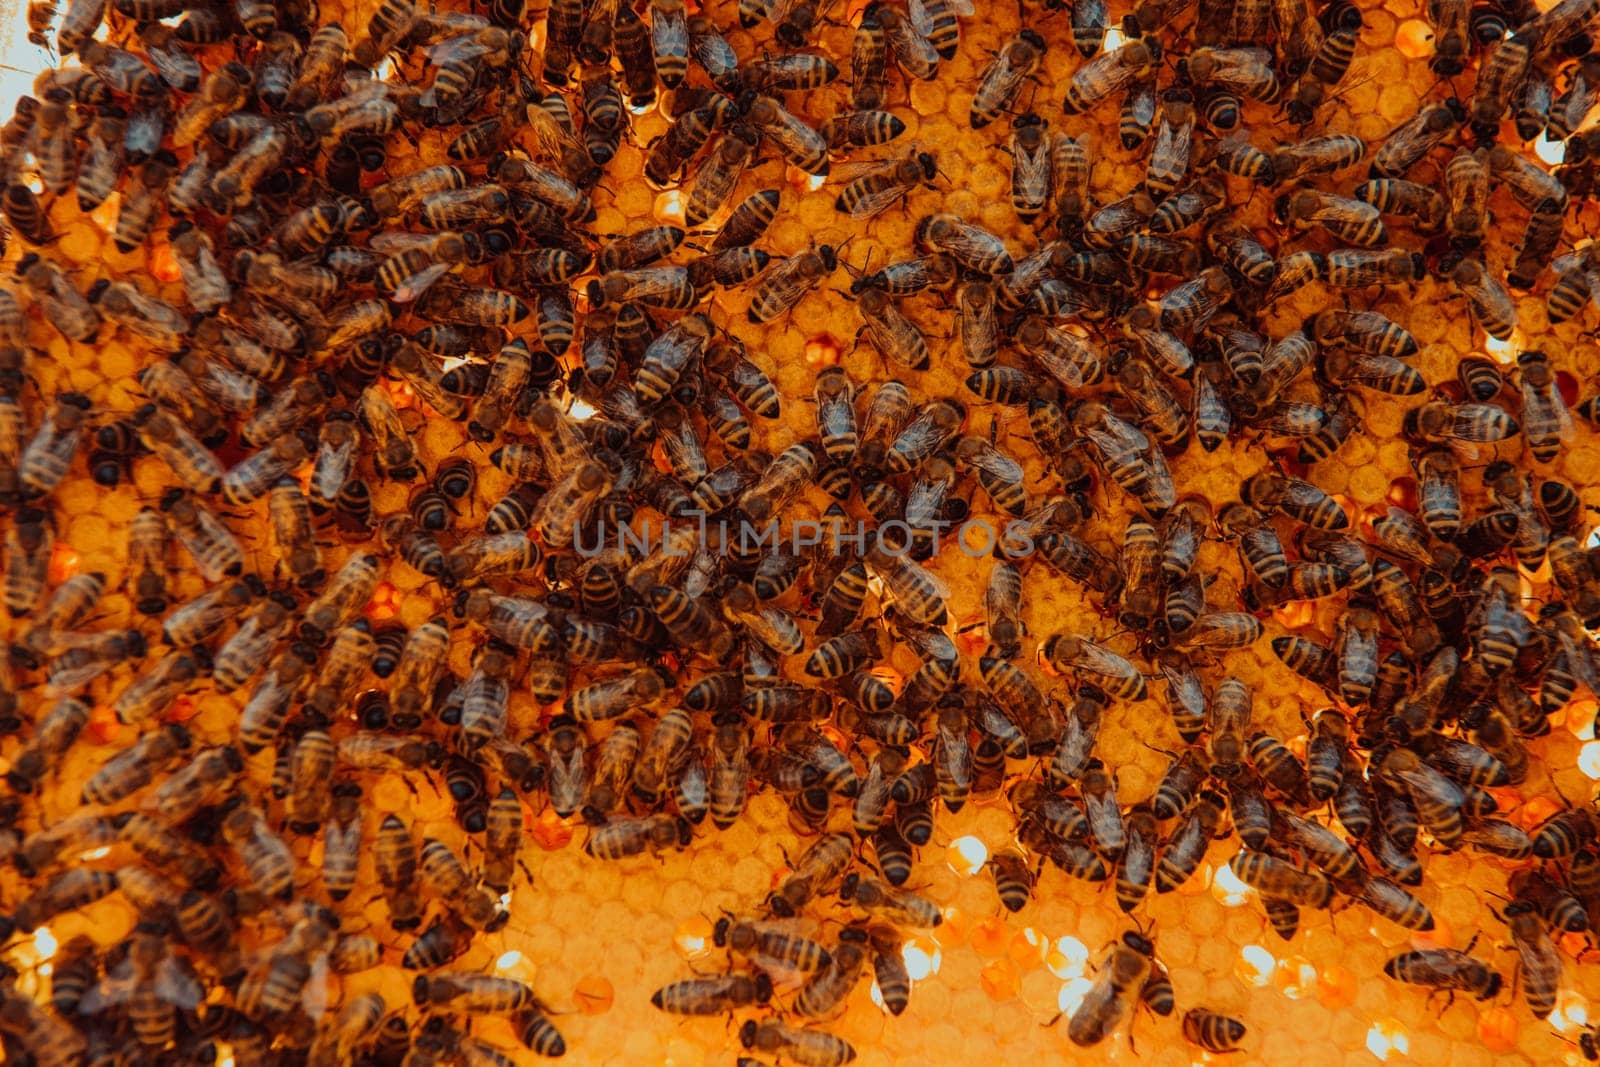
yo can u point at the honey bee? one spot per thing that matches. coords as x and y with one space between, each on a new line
900 906
1109 73
1328 65
244 653
1242 71
1499 74
671 152
64 307
1158 410
1439 422
1492 306
1001 81
1297 499
1546 423
714 182
1278 878
770 944
1575 283
1541 964
466 991
79 22
392 20
712 52
25 214
879 189
1351 220
263 853
713 996
1421 203
1126 456
1447 969
1070 653
1071 361
814 1047
912 50
797 142
252 477
1114 991
1450 35
1437 799
1415 138
223 92
1212 1031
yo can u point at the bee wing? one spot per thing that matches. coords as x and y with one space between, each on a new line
419 283
1539 957
670 33
1183 685
1001 595
930 643
1108 443
178 69
1338 209
836 415
1581 663
1301 494
901 572
359 88
1031 170
460 49
920 18
332 468
314 997
117 987
796 136
1071 362
926 498
999 465
1106 661
939 585
1556 407
177 985
1097 1012
553 140
878 199
392 242
1429 782
999 78
1222 629
1243 56
1380 369
776 628
1297 420
1175 140
1481 423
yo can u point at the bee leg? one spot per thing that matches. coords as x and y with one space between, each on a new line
1035 82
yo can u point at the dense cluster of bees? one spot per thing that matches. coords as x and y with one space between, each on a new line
317 279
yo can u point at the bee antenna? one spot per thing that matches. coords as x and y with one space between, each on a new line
856 272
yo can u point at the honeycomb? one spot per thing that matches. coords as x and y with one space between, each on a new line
595 939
